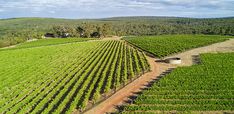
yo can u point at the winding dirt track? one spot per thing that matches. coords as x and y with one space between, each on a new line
120 96
109 105
188 56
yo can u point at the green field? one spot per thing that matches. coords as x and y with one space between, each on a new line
204 87
43 76
46 42
61 78
52 41
164 45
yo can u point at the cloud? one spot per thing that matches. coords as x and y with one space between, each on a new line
52 12
98 8
1 10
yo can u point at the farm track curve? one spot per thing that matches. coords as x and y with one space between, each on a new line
189 57
157 68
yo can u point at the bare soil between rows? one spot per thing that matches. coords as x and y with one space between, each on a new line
109 105
157 68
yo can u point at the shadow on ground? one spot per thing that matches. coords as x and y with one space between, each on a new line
132 98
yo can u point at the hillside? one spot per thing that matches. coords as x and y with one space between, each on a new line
17 30
65 77
46 23
57 76
205 88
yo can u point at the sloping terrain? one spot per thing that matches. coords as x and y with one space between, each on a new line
62 78
157 71
161 46
202 88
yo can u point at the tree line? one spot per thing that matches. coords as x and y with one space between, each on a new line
152 27
84 30
20 31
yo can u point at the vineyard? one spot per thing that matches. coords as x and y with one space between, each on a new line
60 78
161 46
201 88
47 42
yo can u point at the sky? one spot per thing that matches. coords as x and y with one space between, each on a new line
77 9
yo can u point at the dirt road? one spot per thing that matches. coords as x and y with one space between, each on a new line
156 69
120 96
188 56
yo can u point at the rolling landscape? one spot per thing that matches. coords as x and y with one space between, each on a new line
116 64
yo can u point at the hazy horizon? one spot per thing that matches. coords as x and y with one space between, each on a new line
118 17
94 9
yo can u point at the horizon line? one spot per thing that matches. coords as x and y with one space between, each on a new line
117 17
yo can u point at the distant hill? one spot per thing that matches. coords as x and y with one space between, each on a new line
44 24
158 18
135 25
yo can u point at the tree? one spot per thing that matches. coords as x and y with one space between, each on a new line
80 31
63 31
105 29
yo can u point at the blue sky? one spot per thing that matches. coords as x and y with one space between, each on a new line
112 8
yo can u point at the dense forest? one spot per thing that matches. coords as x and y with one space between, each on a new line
17 30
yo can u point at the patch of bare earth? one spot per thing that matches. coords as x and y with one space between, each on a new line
112 38
190 57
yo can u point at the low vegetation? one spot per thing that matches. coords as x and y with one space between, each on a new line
164 45
48 42
61 78
199 88
45 42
